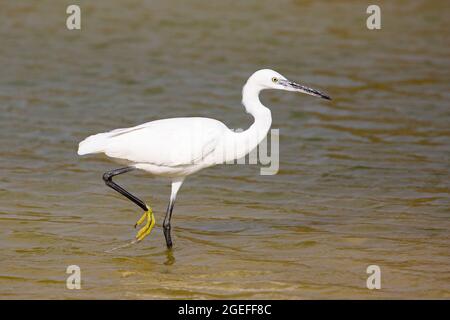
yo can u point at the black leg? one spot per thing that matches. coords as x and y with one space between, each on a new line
166 224
107 177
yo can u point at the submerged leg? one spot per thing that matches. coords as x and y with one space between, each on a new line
176 184
148 212
166 224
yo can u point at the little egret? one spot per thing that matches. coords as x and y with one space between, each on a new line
177 147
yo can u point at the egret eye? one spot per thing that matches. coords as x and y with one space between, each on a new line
275 80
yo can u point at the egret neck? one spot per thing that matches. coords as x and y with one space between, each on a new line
240 144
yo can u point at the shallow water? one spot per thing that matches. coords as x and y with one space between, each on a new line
363 180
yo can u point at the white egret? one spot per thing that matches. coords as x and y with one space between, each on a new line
178 147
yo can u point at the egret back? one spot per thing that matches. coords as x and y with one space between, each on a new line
168 142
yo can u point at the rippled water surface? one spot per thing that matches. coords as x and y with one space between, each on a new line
363 180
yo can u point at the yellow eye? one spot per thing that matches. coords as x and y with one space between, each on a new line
274 79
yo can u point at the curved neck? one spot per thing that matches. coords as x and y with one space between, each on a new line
242 143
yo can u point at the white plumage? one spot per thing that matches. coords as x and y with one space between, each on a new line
178 147
168 147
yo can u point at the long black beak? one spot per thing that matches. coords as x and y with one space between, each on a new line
292 86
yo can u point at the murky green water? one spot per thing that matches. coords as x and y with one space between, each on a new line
363 180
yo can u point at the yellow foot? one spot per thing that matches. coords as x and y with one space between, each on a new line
145 230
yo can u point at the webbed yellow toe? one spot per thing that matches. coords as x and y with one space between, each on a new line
147 228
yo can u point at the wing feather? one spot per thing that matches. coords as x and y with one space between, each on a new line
169 142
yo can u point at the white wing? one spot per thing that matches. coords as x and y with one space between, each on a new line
169 142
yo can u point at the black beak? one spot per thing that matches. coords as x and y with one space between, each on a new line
292 86
309 91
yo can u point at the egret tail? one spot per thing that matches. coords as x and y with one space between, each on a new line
93 144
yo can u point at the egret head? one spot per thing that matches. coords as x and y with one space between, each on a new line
269 79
